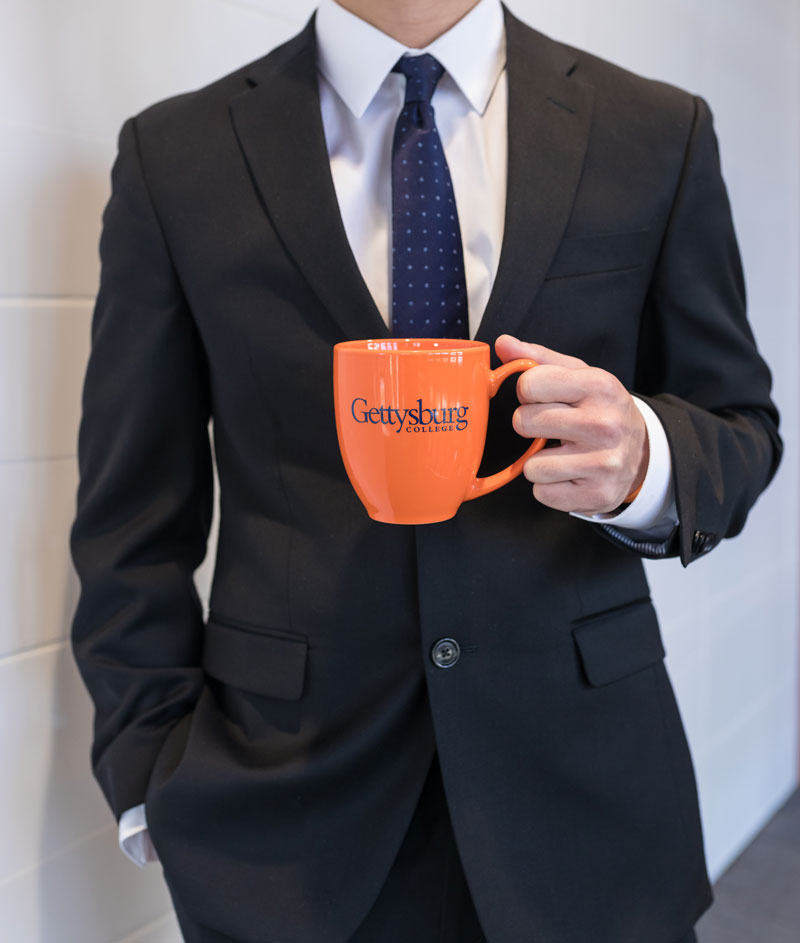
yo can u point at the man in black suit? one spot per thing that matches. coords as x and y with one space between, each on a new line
453 732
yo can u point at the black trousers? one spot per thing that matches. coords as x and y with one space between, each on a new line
425 897
427 872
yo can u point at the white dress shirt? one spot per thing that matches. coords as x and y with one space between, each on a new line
361 99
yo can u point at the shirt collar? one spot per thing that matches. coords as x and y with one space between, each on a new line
472 52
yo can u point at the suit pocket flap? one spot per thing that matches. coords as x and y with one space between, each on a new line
617 643
588 255
256 660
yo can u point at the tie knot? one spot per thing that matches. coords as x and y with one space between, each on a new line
422 73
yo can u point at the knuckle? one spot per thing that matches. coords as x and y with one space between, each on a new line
604 384
592 378
611 461
604 429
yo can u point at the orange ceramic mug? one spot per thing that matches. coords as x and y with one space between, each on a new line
411 416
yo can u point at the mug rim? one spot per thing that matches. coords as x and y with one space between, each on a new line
427 345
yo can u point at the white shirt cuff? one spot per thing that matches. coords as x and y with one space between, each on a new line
134 838
653 510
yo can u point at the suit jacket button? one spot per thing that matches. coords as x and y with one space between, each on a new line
445 653
703 542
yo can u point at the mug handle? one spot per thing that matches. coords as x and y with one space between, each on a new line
481 486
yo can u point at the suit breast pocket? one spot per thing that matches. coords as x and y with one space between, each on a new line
599 254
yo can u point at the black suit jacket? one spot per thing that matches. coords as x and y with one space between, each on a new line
281 745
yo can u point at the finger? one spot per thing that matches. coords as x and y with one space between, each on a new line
561 496
594 476
511 348
560 464
568 496
545 420
555 384
591 429
574 497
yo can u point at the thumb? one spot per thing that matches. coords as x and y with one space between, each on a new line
512 348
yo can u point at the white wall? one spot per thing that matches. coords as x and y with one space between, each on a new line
70 72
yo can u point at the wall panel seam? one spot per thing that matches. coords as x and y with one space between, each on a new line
148 928
69 457
42 862
43 648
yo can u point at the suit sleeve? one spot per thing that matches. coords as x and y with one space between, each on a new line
699 368
145 495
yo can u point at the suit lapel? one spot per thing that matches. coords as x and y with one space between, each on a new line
279 128
549 117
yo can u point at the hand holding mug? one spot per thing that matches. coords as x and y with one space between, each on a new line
602 457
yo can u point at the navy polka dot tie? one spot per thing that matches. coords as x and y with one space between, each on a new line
429 295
